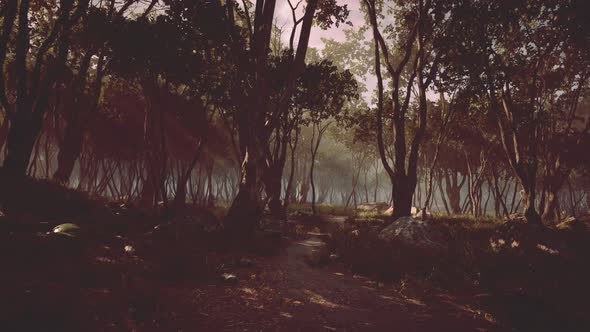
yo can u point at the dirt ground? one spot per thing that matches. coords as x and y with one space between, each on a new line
278 292
48 290
285 293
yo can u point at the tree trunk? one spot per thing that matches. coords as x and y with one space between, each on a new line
453 190
528 204
550 206
180 196
22 135
273 190
288 190
246 209
315 144
68 154
402 193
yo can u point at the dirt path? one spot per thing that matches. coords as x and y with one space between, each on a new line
283 293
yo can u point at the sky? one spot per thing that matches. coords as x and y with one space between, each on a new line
356 17
284 20
283 17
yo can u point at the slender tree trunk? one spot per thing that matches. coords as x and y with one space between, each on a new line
288 190
315 144
180 196
246 210
376 180
31 104
273 189
20 142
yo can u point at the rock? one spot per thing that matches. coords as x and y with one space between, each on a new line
573 224
229 279
376 207
414 233
67 229
129 249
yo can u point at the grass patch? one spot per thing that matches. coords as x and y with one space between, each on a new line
322 209
471 260
369 214
467 219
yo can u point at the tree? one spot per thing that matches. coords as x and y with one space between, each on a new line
35 84
98 28
184 74
420 28
322 92
523 56
259 115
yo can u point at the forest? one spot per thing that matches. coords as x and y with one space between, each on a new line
291 165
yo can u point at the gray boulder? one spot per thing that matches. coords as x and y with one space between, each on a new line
229 279
415 233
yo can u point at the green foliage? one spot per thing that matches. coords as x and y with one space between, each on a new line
330 13
324 91
322 209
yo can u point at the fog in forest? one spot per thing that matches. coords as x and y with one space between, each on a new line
286 165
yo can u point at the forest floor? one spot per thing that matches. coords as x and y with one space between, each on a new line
274 292
284 293
115 276
293 291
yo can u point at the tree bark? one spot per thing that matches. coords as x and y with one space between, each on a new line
315 144
32 99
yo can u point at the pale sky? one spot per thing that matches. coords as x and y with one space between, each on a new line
283 17
284 20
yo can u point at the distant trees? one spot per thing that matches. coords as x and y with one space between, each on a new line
520 63
37 68
481 106
525 58
322 92
118 107
176 61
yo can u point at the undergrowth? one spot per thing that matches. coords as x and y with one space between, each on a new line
543 267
